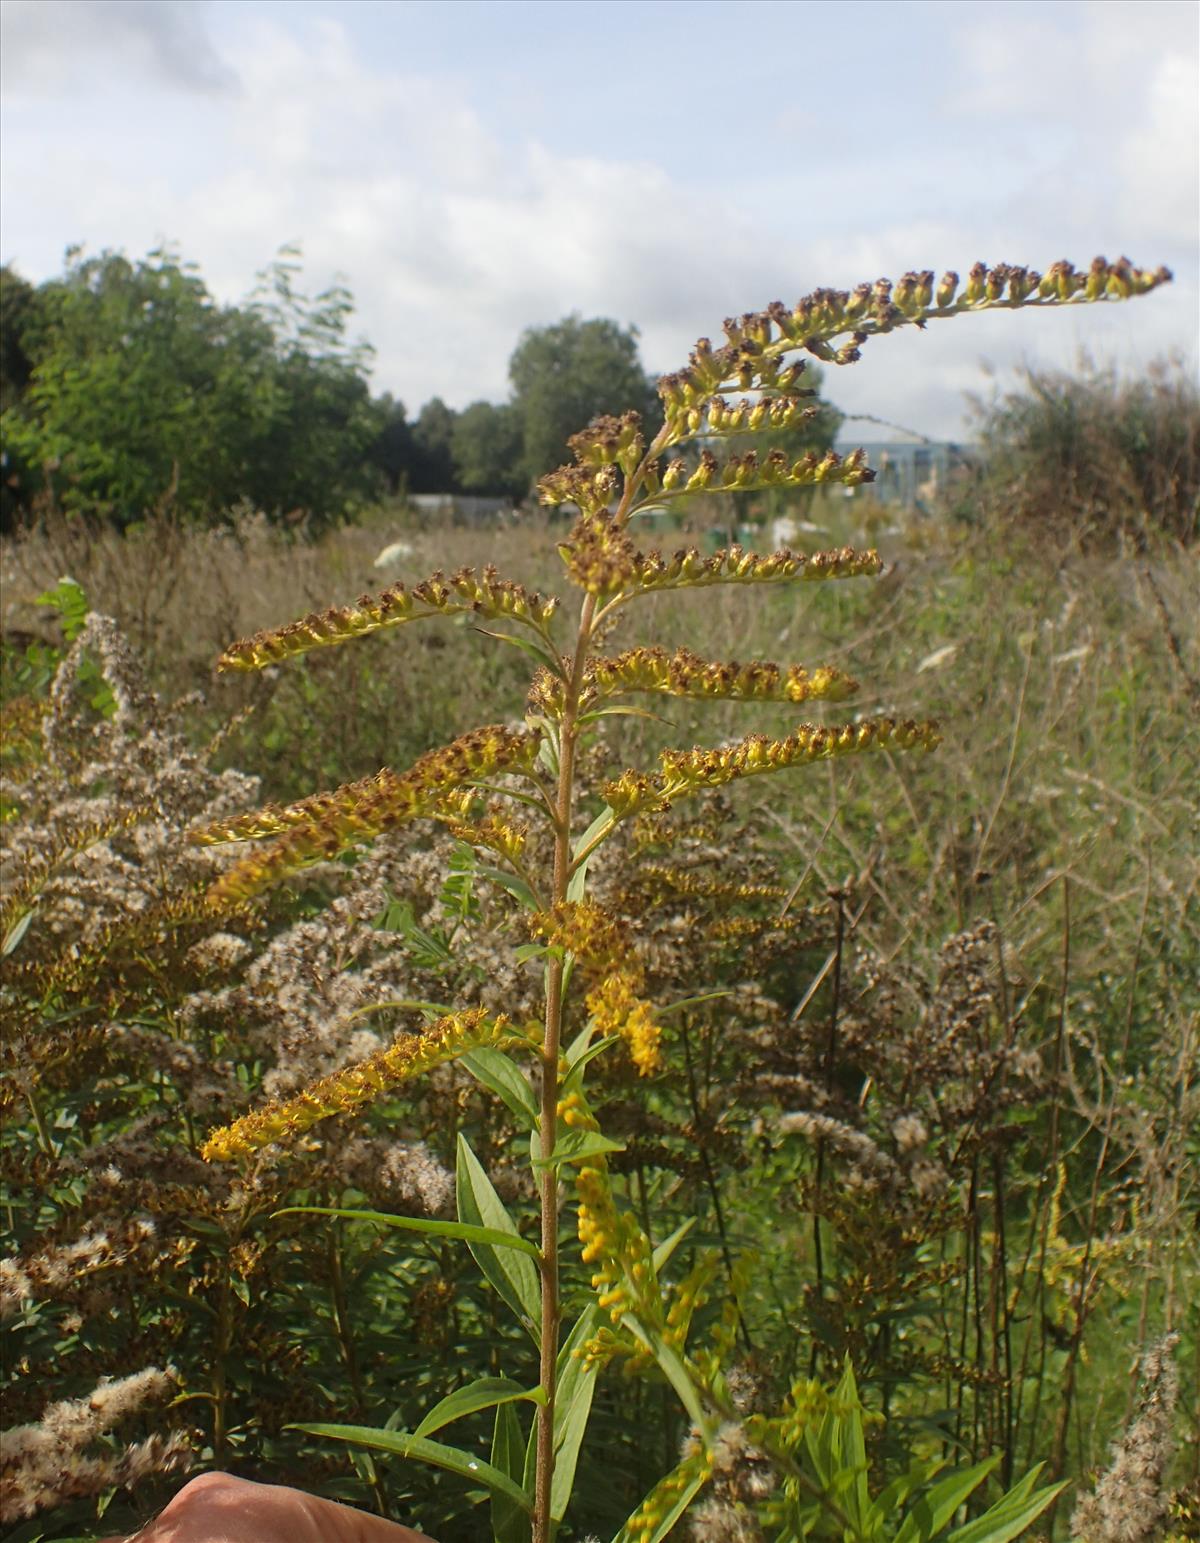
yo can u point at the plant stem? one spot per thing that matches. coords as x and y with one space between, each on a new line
838 897
548 1182
220 1387
345 1339
39 1123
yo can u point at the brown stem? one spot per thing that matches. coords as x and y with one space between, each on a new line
700 1119
220 1387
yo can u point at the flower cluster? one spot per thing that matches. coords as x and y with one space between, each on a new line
346 1091
602 559
463 592
616 1008
599 557
684 771
687 569
320 826
46 1464
581 927
750 357
612 1242
604 951
718 416
684 673
667 1499
1132 1496
743 473
610 441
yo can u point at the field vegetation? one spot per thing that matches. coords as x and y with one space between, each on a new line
928 1076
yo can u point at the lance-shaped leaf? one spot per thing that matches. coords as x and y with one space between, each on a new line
483 1393
429 1225
466 592
423 1450
933 1512
1012 1515
513 1275
510 1523
576 1382
499 1074
655 1518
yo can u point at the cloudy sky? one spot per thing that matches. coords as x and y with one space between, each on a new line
474 167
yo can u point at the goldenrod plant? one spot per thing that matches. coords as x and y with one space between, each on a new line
536 810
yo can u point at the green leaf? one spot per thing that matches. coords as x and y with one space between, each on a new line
515 886
685 1498
572 1409
673 1369
934 1511
452 1459
705 996
70 600
1010 1516
475 1236
482 1394
528 646
583 853
574 1145
410 1004
622 712
857 1500
580 1053
494 1070
509 1522
668 1245
16 932
515 1278
893 1499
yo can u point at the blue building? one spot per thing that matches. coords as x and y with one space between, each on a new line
909 470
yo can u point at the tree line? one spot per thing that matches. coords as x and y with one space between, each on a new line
126 389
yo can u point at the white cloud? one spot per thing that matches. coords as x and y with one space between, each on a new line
455 232
53 46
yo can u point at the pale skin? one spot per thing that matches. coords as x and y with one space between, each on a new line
217 1508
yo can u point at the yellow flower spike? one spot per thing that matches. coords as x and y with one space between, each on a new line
685 674
320 826
685 771
348 1090
485 595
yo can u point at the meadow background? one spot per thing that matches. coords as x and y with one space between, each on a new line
979 965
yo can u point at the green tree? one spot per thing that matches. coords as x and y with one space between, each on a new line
144 391
486 445
393 452
566 374
18 317
18 314
433 440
